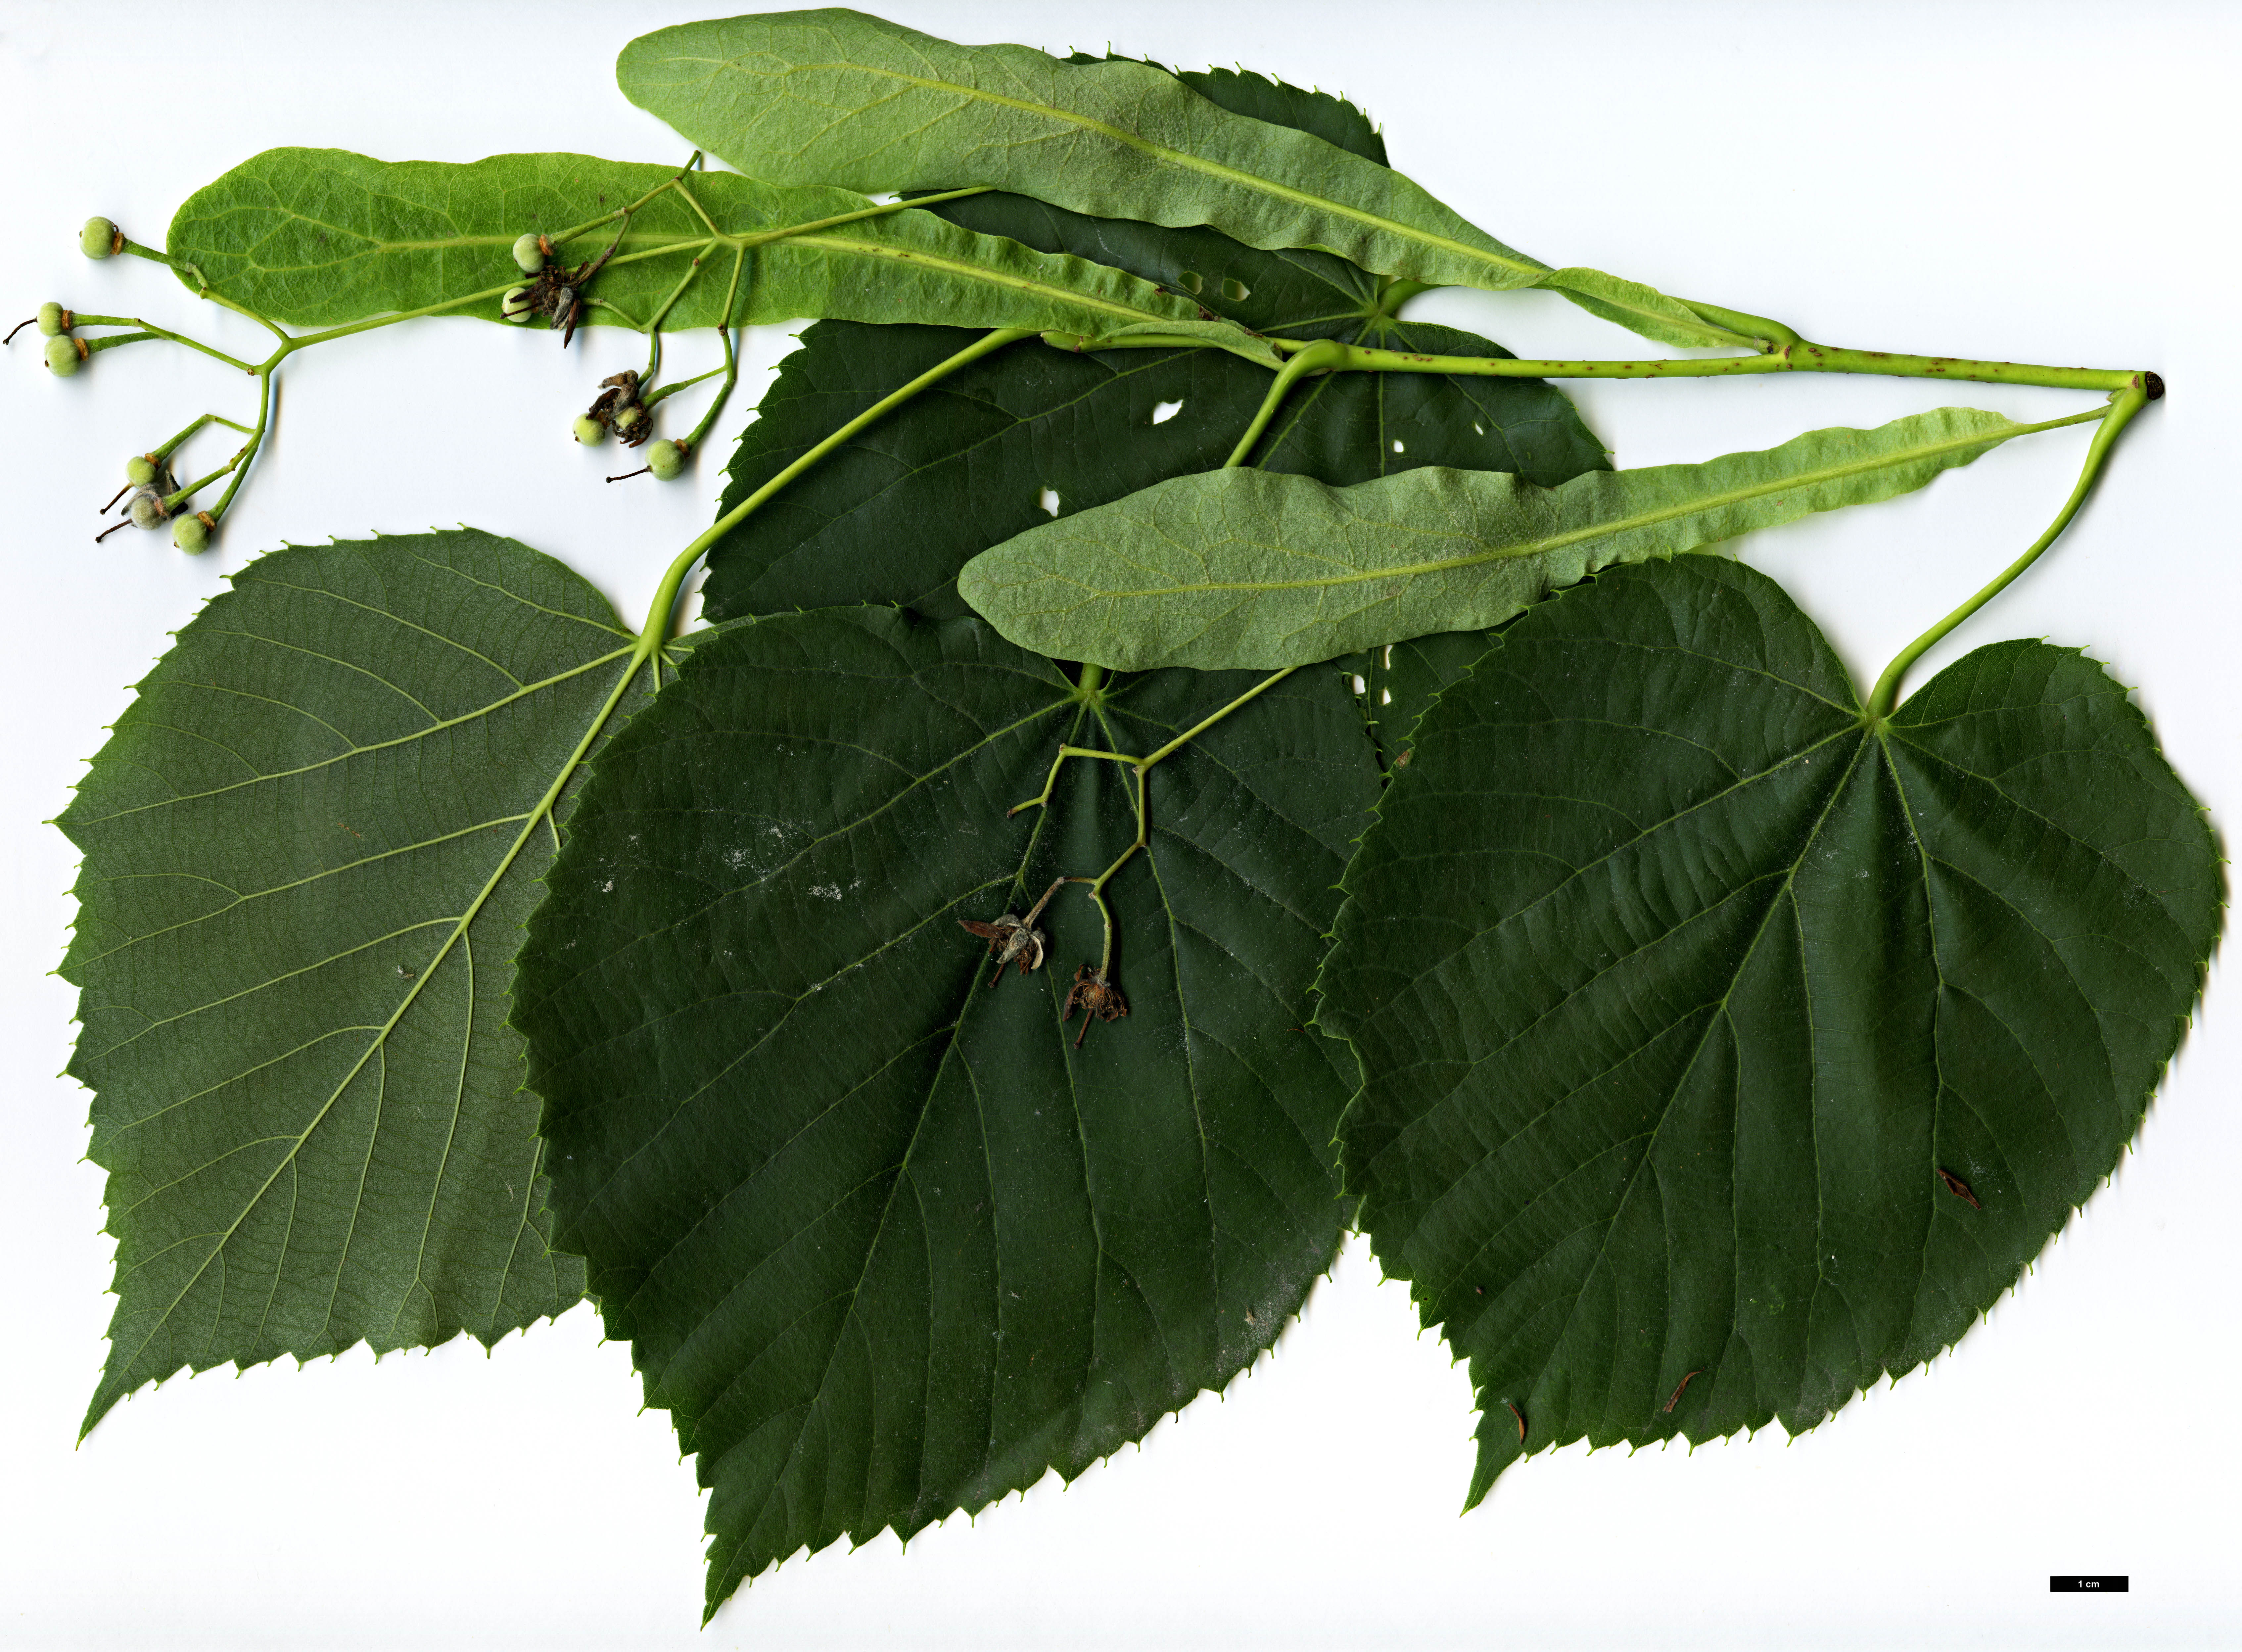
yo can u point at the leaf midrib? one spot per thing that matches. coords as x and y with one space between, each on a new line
898 1178
1713 1013
1162 154
1697 504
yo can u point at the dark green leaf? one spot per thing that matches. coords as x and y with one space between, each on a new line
310 846
1715 1038
886 1245
323 237
1397 683
1266 98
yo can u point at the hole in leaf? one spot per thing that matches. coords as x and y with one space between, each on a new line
1162 411
1235 290
1478 428
1397 447
1360 686
1048 500
1385 697
1189 282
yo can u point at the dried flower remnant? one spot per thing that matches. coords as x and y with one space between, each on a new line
557 292
1011 937
618 408
1097 996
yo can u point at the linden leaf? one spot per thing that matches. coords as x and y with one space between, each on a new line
310 846
894 514
1724 1051
886 1243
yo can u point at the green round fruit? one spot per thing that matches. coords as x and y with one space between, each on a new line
148 510
629 419
53 318
664 458
515 306
140 470
190 534
63 355
99 239
528 254
590 431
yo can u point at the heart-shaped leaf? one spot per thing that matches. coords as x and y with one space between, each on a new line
1725 1050
890 1240
310 846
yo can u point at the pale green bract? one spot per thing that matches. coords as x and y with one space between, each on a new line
324 237
835 97
1233 568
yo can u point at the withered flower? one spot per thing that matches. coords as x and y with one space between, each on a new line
1097 997
1011 937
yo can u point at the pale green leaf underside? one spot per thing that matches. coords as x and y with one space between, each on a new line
886 1242
1680 993
310 846
836 97
324 237
1242 568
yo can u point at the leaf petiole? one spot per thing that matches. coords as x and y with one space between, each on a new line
2122 405
658 617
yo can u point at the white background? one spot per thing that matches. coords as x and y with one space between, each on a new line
2033 182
